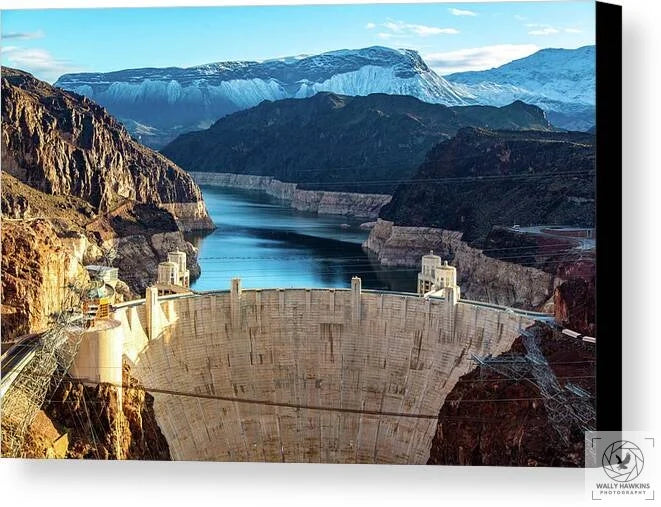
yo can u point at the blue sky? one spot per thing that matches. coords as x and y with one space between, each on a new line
450 37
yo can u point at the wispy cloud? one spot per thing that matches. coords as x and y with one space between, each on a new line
541 29
549 30
38 34
480 58
38 62
544 29
518 17
401 29
462 12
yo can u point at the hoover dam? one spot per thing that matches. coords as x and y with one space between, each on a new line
297 375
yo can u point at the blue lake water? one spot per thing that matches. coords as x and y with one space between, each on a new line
267 244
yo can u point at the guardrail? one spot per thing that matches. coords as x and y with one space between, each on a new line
529 313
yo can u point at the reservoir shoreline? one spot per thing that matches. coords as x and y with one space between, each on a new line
359 205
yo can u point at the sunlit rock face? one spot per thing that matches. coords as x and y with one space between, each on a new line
63 144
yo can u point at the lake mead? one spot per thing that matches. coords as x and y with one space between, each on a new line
268 244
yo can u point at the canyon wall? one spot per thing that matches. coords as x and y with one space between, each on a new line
141 235
516 432
481 277
37 268
96 422
316 201
297 375
481 178
64 144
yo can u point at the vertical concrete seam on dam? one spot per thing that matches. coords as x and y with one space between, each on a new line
337 348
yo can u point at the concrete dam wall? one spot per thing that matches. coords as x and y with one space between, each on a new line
334 376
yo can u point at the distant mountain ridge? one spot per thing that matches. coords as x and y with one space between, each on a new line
158 104
335 142
560 81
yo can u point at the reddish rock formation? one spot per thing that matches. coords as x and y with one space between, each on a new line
99 429
36 269
44 440
574 305
480 425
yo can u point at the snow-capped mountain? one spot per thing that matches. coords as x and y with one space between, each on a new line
157 104
560 81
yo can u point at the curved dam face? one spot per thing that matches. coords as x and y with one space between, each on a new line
331 376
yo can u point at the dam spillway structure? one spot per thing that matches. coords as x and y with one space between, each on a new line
305 375
298 375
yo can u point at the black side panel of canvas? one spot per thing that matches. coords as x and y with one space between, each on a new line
609 217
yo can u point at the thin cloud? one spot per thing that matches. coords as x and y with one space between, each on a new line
38 62
541 29
481 58
39 34
462 12
401 29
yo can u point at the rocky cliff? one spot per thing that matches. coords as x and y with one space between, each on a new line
141 235
481 278
489 419
483 178
47 239
96 426
315 201
335 142
64 144
37 267
74 184
574 300
570 259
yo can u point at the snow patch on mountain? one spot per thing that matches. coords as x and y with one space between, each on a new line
428 87
561 81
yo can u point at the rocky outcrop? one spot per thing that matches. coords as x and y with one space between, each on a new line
37 269
141 235
138 257
574 305
64 144
481 278
489 419
569 259
315 201
44 440
47 240
98 427
483 178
